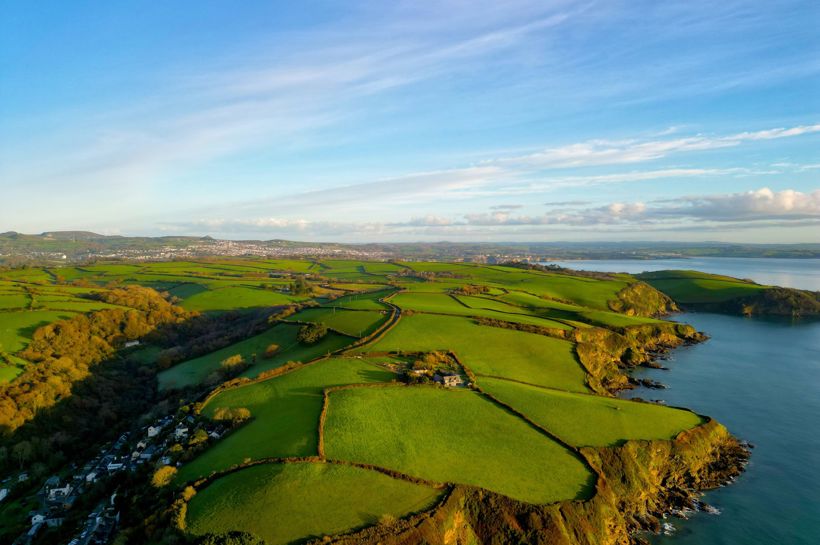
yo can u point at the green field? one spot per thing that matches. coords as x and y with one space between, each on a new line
571 313
692 287
16 328
591 420
196 370
487 350
234 297
357 323
443 303
452 436
285 413
286 502
361 301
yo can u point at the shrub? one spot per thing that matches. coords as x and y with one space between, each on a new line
163 476
271 350
233 362
312 333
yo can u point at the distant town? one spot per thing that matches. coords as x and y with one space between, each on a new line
76 247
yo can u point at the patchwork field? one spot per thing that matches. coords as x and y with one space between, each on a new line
304 499
285 414
444 436
513 433
591 420
489 351
197 370
689 287
357 323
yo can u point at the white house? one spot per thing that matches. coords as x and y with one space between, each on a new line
129 344
59 492
153 431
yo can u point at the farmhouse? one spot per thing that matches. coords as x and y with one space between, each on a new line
451 381
60 491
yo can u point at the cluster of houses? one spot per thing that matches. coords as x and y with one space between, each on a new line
57 496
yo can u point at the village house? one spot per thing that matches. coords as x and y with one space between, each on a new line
153 431
450 381
58 494
180 432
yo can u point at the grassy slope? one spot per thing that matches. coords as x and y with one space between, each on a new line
590 420
196 370
692 287
363 301
285 413
489 350
443 303
451 436
283 503
353 322
16 328
573 313
236 297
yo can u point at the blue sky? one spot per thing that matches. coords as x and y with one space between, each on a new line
413 120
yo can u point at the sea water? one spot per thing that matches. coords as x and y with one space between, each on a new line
761 378
793 273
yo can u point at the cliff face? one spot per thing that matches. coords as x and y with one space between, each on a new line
637 482
641 299
771 302
607 354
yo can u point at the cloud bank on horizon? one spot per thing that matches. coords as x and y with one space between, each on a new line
454 120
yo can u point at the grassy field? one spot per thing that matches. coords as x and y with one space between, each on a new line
692 287
196 370
361 301
490 351
234 297
445 304
286 502
452 436
590 420
285 413
16 328
576 314
352 322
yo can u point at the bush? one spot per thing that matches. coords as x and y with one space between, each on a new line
271 350
163 476
233 414
232 362
312 333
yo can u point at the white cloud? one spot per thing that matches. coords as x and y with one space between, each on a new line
751 206
610 152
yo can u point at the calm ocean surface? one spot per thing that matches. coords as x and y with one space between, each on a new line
761 378
793 273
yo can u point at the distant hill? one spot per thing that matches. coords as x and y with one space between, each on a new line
78 246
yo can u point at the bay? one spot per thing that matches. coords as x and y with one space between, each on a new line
792 273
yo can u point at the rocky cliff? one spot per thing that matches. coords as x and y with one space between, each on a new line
637 483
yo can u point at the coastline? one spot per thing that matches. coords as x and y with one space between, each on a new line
640 483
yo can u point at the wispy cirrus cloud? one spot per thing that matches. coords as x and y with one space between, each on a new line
615 152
